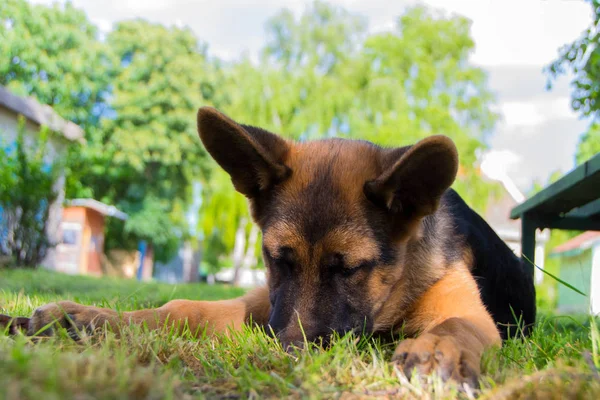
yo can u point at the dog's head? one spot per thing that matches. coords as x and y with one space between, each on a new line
336 216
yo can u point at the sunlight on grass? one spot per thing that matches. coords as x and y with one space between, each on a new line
158 364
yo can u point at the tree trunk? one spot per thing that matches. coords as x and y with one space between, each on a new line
250 257
148 263
238 250
190 263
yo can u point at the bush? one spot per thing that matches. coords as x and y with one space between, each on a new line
26 193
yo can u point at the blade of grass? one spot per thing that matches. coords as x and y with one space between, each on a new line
556 278
595 336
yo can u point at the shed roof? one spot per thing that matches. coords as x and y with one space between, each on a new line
104 209
583 241
41 114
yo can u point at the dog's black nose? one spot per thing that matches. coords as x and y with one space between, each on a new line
347 329
291 347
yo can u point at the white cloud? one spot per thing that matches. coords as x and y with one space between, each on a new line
103 25
558 107
496 163
521 114
535 112
543 148
142 5
522 32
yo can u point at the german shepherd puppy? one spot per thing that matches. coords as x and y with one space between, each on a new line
355 238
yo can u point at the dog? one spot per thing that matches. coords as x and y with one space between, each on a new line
356 238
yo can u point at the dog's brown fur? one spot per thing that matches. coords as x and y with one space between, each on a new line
356 237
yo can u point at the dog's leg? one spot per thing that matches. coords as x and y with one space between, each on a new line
212 316
455 330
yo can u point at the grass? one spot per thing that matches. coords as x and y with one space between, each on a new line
556 362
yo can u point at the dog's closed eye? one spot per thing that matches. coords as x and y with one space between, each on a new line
338 263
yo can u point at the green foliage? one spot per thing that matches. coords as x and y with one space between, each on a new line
27 191
214 250
318 42
145 157
582 58
589 144
150 221
53 53
547 291
418 82
222 211
156 94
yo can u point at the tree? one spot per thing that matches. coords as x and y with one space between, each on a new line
322 38
582 58
416 81
53 53
589 144
392 88
147 154
225 220
26 206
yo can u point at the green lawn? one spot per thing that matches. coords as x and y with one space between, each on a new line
157 365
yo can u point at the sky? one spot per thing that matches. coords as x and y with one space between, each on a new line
514 40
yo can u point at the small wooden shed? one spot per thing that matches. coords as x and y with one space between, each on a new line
82 236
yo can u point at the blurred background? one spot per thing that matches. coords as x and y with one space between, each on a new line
102 172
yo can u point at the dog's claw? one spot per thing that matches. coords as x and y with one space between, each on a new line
67 314
437 354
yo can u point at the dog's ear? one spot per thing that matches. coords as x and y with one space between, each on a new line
416 178
249 155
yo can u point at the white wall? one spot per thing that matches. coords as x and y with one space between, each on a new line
540 258
9 128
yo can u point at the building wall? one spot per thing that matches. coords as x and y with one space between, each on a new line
69 254
82 242
95 222
9 122
56 146
595 286
576 270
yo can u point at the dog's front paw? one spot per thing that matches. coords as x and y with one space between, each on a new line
67 314
431 353
13 325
